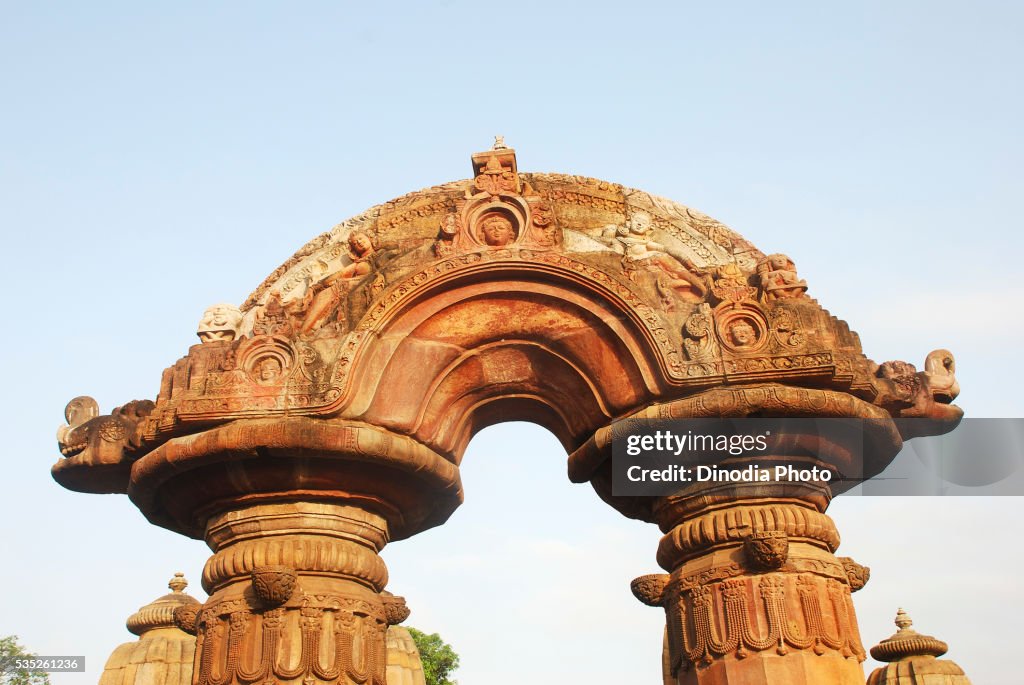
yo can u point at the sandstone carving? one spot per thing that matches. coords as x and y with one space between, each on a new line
395 608
638 250
940 375
779 279
185 617
330 417
650 589
95 446
273 585
219 322
334 289
767 550
857 574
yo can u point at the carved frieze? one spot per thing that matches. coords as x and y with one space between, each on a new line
713 620
313 639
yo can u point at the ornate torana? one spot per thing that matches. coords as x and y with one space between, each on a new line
327 415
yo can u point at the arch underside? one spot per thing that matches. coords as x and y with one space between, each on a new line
528 347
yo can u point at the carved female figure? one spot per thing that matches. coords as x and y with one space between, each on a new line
336 286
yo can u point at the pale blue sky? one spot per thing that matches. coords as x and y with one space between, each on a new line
156 158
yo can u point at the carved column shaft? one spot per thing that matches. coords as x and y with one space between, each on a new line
755 594
294 597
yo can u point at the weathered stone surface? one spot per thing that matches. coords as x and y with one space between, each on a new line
331 416
404 665
163 654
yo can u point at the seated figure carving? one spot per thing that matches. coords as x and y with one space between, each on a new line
779 278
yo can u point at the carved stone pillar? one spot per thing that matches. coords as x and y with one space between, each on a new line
294 596
296 512
756 595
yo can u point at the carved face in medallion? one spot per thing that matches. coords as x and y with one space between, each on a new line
742 333
497 231
268 370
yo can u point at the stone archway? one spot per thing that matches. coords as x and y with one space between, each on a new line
328 415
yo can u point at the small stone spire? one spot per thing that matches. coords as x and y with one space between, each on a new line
499 143
907 642
912 658
160 612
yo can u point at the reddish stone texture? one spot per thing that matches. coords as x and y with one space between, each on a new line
328 415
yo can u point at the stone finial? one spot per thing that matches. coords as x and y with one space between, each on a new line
913 658
907 642
160 612
177 584
499 143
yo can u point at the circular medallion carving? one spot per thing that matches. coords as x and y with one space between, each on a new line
267 360
742 329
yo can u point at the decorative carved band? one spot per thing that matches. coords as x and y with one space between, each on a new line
316 518
757 613
308 554
329 639
735 524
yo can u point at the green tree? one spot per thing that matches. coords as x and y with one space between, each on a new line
438 657
10 652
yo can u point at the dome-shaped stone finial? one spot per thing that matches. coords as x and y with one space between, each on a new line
163 653
907 642
178 582
913 658
160 612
